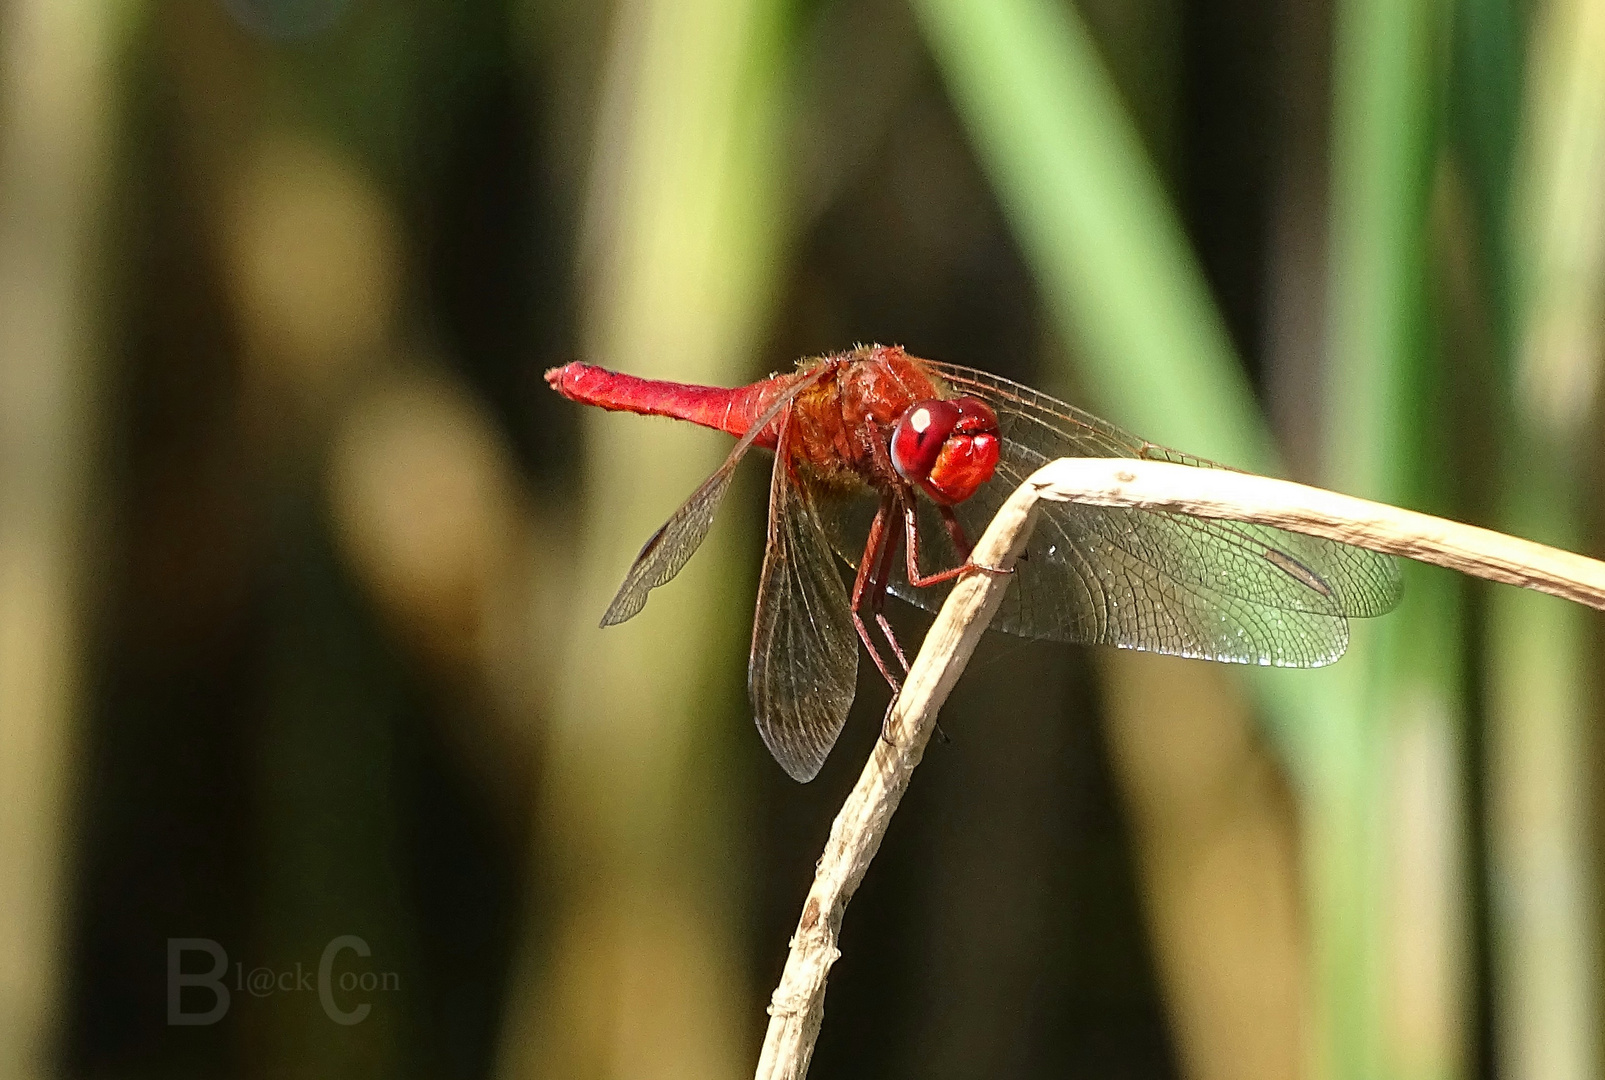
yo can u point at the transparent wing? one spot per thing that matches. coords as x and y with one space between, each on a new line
804 664
666 552
1159 582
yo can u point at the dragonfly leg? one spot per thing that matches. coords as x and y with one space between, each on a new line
869 585
921 581
961 543
891 639
877 594
886 722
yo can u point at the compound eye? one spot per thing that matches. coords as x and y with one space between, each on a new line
975 417
917 440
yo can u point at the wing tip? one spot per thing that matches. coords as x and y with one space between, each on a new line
800 762
622 609
801 771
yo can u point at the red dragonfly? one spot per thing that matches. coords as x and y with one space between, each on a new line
934 449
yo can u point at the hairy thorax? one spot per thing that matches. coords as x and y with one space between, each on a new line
842 422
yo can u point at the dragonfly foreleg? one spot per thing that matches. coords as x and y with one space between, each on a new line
912 530
961 543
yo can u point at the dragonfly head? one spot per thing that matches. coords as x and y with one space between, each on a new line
946 448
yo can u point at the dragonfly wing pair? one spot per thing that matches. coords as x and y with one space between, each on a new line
804 664
1158 582
803 670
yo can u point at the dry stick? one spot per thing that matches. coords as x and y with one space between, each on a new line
797 1007
1235 496
798 1004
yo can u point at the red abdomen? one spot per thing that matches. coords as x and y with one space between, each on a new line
725 409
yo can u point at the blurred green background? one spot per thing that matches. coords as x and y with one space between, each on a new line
300 562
